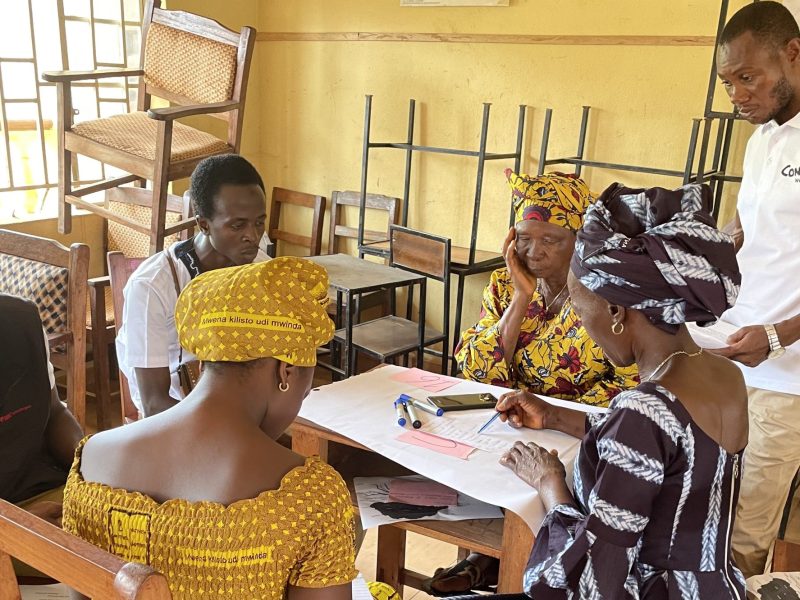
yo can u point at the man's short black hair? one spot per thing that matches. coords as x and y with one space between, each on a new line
771 23
216 171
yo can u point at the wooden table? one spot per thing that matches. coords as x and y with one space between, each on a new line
509 539
349 277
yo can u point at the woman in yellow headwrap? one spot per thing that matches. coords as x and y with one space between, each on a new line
529 337
202 492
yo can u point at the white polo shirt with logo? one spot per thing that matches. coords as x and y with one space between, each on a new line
769 209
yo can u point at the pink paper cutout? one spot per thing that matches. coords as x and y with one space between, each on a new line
436 443
422 493
425 380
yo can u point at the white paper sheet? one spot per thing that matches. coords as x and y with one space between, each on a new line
57 591
370 490
361 408
360 589
713 336
463 426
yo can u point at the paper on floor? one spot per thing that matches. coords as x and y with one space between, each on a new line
360 589
57 591
422 493
376 509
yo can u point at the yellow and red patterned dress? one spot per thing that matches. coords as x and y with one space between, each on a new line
554 355
300 534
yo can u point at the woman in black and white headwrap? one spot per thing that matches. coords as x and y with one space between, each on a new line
657 477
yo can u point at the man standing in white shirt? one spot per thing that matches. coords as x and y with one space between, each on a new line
758 61
230 204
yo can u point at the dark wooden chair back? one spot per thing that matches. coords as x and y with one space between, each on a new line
313 242
338 231
420 252
70 560
53 277
120 269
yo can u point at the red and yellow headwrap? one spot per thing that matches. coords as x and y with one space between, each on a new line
552 198
266 309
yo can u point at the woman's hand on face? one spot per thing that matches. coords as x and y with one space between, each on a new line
533 464
524 283
523 409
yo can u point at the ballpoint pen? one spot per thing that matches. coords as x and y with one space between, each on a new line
489 422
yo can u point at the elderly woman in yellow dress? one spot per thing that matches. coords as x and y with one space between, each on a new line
528 336
203 492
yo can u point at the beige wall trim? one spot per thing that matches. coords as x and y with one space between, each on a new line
490 38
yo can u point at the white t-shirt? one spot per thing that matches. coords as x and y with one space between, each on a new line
148 337
769 209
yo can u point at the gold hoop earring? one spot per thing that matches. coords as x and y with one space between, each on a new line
616 331
284 387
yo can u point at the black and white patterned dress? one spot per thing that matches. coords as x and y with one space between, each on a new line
656 501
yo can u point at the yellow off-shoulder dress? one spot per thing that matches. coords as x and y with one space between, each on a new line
300 534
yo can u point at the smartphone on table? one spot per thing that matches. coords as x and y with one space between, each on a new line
463 401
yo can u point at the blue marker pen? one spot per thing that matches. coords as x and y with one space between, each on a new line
398 409
426 407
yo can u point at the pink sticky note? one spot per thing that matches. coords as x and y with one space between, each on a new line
436 443
422 493
425 380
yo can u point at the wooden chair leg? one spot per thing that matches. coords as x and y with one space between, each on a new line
76 384
160 184
391 559
9 590
102 371
64 99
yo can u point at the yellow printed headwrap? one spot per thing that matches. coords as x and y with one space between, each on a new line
267 309
553 198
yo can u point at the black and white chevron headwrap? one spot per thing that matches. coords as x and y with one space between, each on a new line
658 251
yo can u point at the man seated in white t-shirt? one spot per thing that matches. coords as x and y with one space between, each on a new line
230 204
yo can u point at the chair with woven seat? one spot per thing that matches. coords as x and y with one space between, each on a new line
136 204
313 242
388 337
193 62
70 560
54 278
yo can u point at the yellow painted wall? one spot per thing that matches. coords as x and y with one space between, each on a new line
304 117
643 98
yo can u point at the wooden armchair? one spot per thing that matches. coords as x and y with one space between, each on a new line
70 560
313 242
136 204
120 269
54 278
195 63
